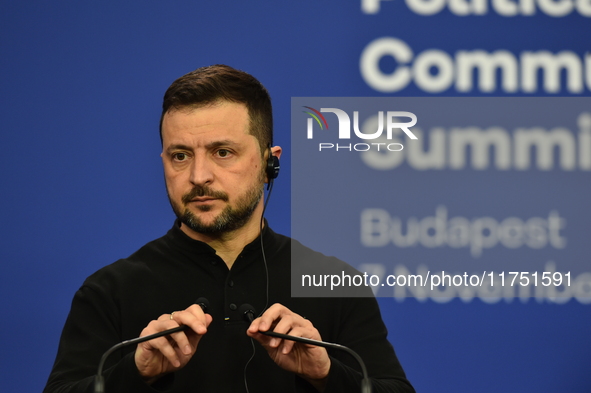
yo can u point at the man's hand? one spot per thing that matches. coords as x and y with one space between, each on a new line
308 361
163 355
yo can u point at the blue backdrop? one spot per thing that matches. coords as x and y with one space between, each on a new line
82 85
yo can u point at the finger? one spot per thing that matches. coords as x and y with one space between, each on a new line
291 321
167 348
166 317
182 342
254 326
273 314
194 317
262 338
283 326
288 322
165 345
286 345
160 325
176 340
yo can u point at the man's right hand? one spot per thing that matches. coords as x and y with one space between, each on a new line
163 355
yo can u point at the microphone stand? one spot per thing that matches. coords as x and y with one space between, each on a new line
248 313
365 383
99 381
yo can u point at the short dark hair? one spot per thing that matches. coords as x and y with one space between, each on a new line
208 85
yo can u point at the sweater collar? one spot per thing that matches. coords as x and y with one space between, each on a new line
196 246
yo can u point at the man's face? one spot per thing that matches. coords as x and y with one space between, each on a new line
213 167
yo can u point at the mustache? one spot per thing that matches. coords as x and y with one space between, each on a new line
204 191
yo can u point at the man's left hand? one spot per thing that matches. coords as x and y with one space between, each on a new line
308 361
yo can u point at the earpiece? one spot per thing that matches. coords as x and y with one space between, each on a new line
273 166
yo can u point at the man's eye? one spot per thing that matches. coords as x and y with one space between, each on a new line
223 153
179 156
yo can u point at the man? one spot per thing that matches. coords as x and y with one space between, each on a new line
216 131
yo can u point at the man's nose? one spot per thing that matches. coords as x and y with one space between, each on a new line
201 170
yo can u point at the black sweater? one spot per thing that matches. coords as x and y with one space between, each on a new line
170 273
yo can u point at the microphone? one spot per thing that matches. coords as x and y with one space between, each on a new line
248 313
203 303
99 381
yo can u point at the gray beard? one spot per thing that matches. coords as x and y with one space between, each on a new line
230 219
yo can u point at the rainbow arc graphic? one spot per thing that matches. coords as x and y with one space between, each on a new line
316 115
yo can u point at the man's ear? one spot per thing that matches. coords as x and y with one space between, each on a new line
276 151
